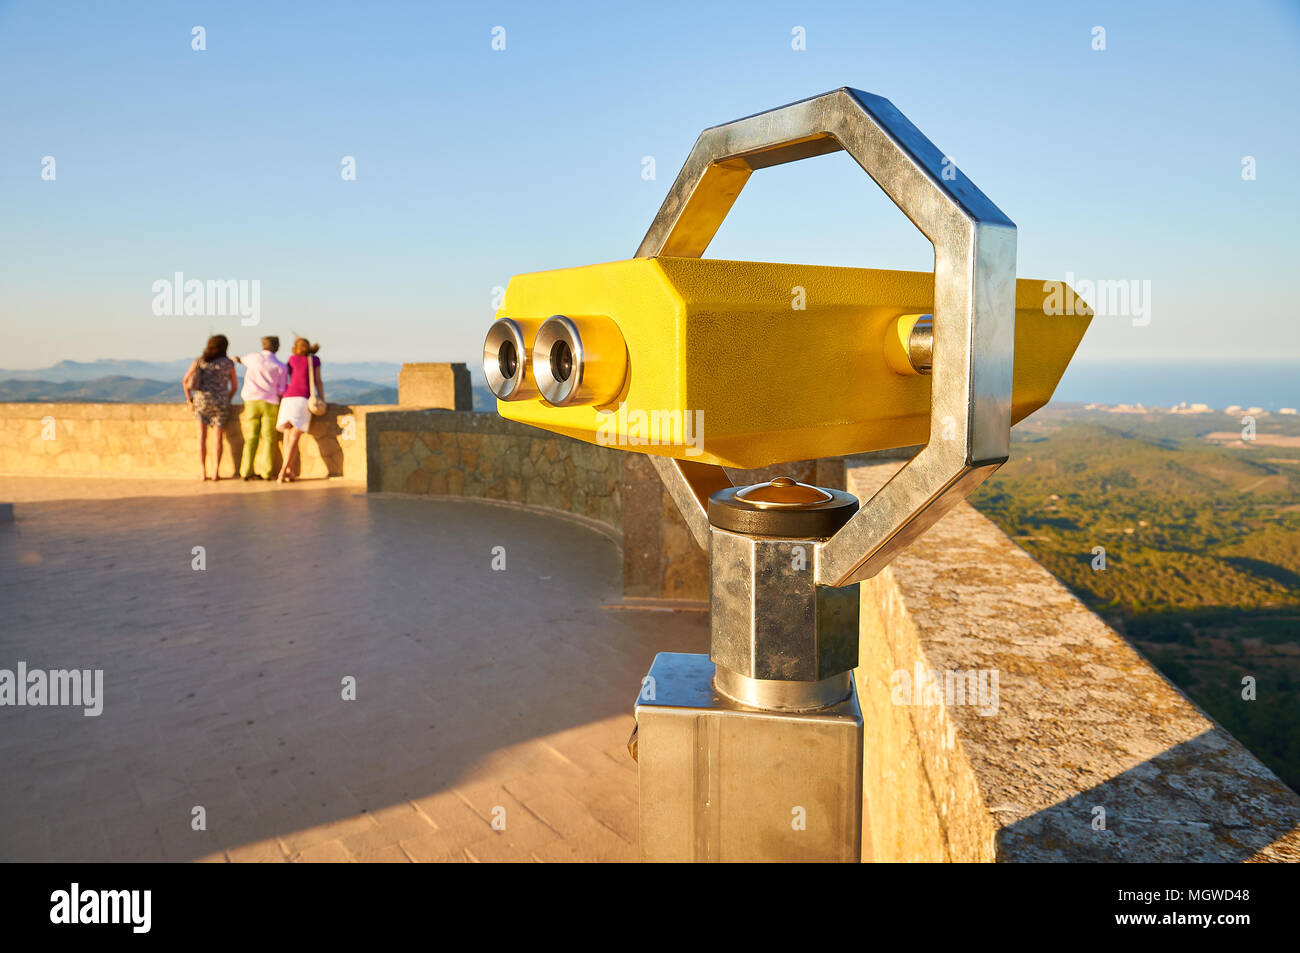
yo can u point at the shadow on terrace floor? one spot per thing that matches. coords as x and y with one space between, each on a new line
479 693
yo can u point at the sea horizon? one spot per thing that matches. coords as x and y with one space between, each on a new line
1270 385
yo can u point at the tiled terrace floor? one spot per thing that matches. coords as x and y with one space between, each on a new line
479 693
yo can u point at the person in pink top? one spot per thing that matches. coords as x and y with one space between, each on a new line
265 379
295 412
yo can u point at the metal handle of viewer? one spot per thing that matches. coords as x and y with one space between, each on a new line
974 305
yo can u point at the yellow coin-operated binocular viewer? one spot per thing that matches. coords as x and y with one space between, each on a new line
754 752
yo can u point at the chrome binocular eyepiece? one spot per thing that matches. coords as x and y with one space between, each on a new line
505 359
563 361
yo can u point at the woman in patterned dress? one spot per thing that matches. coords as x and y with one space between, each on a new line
209 385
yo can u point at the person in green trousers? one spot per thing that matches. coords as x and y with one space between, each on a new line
265 381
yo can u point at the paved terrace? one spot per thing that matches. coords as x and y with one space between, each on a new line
477 691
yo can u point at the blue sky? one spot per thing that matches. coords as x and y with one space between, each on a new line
473 164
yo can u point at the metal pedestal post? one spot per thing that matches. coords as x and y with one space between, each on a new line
721 782
754 752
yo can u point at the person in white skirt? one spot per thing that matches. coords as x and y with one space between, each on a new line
295 413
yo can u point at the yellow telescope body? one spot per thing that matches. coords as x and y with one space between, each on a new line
706 364
745 364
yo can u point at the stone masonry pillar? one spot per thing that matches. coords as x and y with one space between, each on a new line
444 386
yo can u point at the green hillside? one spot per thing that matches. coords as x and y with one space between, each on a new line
1202 549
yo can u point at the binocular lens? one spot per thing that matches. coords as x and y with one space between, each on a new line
508 359
561 361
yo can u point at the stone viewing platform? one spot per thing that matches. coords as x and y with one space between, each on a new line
481 689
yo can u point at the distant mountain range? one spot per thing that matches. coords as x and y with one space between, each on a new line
118 389
110 380
376 372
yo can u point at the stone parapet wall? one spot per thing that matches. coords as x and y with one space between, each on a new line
455 453
483 455
158 440
1086 732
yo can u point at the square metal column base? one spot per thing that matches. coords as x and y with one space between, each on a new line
721 782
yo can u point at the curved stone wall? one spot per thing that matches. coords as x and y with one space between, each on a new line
158 440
